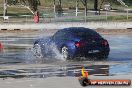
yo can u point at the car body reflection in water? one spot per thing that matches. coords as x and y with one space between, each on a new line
72 71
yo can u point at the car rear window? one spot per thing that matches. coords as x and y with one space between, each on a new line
86 33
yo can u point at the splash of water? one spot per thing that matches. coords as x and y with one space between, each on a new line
58 54
51 54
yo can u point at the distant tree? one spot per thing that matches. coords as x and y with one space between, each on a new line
128 2
33 4
12 2
95 5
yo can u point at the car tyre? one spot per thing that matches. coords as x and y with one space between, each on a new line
65 53
37 51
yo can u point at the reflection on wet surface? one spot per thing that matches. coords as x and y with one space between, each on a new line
121 49
73 71
17 51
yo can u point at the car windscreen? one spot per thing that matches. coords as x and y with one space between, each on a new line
86 33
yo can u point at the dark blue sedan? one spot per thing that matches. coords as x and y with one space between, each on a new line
74 42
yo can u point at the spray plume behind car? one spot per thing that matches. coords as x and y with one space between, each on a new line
50 50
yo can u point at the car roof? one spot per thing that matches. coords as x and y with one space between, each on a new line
73 29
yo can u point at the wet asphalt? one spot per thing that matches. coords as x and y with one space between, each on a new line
18 52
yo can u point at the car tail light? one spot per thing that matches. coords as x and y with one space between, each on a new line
105 42
79 44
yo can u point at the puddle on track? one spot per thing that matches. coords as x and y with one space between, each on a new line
121 51
71 70
64 71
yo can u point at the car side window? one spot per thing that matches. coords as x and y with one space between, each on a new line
62 35
58 35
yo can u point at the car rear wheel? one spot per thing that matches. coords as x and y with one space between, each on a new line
64 52
37 51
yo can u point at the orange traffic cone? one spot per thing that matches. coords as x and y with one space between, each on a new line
84 81
84 73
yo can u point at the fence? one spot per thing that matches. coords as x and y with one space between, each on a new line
70 16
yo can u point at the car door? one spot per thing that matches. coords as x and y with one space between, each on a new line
59 38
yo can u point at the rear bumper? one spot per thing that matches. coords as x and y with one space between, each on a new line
89 51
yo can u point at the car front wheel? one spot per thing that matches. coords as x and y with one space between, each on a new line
37 51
